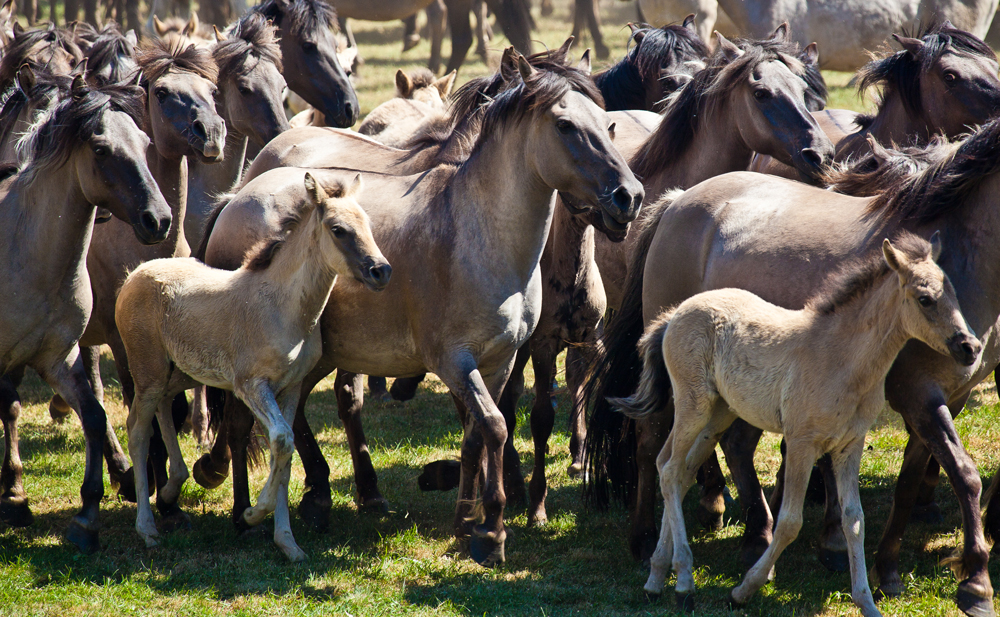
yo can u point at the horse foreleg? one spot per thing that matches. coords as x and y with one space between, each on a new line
739 444
350 400
461 32
14 509
651 433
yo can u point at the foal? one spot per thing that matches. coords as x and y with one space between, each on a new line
817 375
252 331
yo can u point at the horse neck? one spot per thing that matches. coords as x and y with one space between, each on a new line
716 148
171 176
501 208
870 330
299 277
207 180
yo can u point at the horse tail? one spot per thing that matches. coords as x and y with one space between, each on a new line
221 200
654 384
611 441
515 18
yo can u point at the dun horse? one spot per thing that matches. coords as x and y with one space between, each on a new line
816 375
252 331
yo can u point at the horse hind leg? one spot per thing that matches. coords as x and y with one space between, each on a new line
14 509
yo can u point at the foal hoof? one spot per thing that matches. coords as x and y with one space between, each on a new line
206 475
834 561
973 604
16 513
487 549
709 520
928 514
685 601
314 509
84 539
440 476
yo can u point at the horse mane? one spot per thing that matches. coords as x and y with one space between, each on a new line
885 168
107 50
707 89
49 88
900 72
486 105
943 186
303 16
261 256
60 129
251 37
858 276
19 50
160 56
623 85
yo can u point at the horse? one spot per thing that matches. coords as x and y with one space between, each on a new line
169 310
954 195
419 98
85 152
944 80
844 29
553 110
815 375
305 29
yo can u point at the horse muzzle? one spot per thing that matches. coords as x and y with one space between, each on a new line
965 349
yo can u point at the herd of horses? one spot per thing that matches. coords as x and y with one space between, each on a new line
851 267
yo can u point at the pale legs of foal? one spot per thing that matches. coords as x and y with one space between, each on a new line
275 417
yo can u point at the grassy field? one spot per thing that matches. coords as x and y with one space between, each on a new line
406 562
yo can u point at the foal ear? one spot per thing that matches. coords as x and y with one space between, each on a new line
446 83
896 260
404 85
584 64
727 48
911 45
936 245
689 23
315 191
810 55
525 69
780 34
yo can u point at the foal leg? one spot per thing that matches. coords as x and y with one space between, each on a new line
847 465
14 509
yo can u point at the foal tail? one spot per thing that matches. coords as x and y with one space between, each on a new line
611 439
654 384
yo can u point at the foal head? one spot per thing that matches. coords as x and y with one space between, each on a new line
930 307
250 79
346 241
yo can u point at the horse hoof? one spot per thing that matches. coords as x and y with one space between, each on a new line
974 605
16 513
685 602
206 476
379 506
486 549
84 539
928 514
315 510
733 603
834 561
710 521
440 476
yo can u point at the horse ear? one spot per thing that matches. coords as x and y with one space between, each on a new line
404 85
219 36
895 259
355 187
192 25
132 37
80 88
911 45
638 33
25 78
584 64
780 34
315 191
936 245
159 27
810 55
525 69
446 83
727 48
564 48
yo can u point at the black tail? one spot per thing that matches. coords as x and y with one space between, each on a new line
610 447
514 16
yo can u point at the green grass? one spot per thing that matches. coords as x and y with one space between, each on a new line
407 562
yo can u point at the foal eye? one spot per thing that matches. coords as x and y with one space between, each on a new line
926 301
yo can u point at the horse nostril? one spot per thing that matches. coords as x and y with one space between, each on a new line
198 128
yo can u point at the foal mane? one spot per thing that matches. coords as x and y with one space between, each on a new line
859 276
622 85
160 56
899 72
107 50
709 88
943 186
251 37
60 129
19 51
303 16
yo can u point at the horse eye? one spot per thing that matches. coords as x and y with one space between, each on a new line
564 126
926 301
